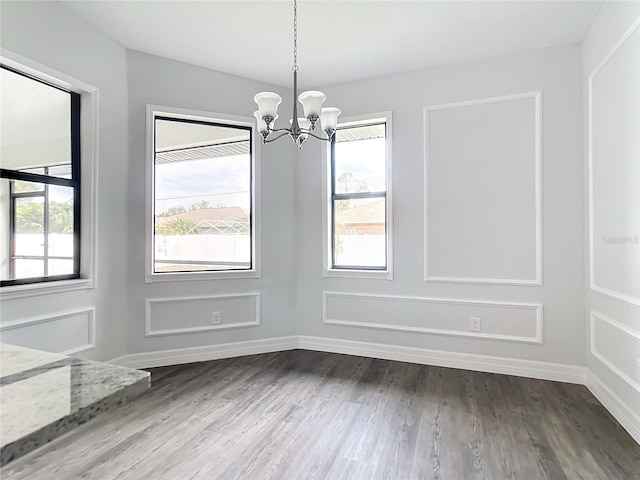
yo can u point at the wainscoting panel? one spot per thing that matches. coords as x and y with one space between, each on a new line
483 191
620 349
503 321
44 333
177 315
614 171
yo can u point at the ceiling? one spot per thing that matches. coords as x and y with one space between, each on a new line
339 41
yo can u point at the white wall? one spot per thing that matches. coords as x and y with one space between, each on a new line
155 80
491 198
611 75
47 33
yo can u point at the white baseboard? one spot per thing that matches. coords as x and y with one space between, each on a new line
440 358
206 353
629 420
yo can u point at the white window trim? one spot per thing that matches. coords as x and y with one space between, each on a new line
188 114
326 199
89 161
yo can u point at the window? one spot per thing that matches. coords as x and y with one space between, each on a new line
40 180
359 210
203 197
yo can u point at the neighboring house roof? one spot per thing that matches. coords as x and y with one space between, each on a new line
367 213
228 214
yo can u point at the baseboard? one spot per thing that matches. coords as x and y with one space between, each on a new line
466 361
206 353
629 420
440 358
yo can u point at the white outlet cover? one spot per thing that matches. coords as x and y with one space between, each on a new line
475 324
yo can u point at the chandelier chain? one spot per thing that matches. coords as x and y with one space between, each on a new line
295 36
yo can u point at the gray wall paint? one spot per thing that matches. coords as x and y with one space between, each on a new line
155 80
47 33
554 71
616 345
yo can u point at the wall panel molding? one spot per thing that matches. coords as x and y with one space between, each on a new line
149 302
538 280
90 313
537 308
633 300
595 315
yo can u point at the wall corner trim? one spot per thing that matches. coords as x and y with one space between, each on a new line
629 420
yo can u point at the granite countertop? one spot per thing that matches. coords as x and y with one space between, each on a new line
44 395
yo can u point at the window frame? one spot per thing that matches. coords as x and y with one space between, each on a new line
85 223
328 179
45 257
198 116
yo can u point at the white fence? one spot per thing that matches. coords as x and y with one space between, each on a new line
361 250
210 249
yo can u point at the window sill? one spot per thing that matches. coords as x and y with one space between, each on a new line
379 274
182 277
45 288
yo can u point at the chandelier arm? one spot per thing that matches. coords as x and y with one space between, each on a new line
285 132
308 132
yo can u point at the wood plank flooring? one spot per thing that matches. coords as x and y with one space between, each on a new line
310 415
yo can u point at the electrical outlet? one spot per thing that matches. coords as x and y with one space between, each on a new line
215 318
475 324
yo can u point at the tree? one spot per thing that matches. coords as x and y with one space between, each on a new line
180 226
171 211
30 217
200 205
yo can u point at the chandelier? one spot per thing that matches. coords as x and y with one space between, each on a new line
311 102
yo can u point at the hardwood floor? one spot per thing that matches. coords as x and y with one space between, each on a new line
310 415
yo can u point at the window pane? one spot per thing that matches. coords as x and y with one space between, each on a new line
62 171
35 123
29 232
26 268
359 233
360 159
202 197
60 267
60 222
27 187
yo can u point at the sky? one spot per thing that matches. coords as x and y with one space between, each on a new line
225 181
221 181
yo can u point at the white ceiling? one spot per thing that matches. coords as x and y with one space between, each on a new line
339 41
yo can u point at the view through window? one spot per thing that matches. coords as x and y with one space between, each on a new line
202 196
359 197
40 186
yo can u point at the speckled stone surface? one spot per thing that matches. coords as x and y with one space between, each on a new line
44 395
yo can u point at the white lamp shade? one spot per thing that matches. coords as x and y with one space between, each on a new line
268 103
312 102
262 127
329 118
